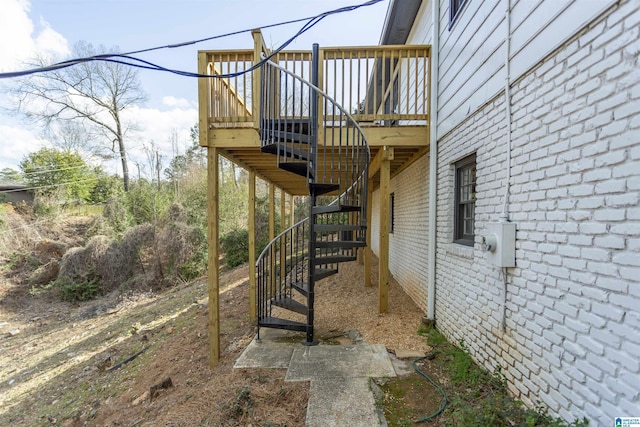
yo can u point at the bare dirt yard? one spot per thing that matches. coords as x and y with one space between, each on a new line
140 357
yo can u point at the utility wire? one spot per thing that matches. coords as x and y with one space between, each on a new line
126 57
35 172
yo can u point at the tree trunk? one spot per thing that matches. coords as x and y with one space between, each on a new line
233 173
123 152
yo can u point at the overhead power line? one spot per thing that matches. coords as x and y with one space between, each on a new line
35 172
127 59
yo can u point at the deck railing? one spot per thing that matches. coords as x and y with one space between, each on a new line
383 85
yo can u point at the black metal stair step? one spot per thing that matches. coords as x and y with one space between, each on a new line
321 228
285 151
322 273
341 244
274 135
290 304
333 259
318 189
300 124
334 209
278 323
301 287
299 168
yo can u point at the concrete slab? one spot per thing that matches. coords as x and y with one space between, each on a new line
339 361
344 402
266 354
402 367
340 393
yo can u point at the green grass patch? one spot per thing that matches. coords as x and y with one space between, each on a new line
475 396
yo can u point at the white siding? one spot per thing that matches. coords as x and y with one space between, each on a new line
472 52
571 337
539 27
471 60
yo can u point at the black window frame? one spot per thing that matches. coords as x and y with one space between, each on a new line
455 7
459 234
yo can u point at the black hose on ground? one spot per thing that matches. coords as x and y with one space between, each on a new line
443 405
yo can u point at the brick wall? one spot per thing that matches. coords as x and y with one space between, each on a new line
572 336
408 244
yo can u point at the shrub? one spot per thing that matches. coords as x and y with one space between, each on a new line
235 244
117 214
83 291
146 202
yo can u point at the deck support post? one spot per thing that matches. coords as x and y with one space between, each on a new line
213 219
272 234
385 221
252 246
368 252
292 219
283 226
272 211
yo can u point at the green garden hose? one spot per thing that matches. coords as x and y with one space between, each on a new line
443 405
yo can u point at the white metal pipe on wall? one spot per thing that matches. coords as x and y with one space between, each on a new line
433 159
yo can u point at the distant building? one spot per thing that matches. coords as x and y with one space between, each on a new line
11 192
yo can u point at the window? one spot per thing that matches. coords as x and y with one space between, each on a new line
455 6
465 200
393 210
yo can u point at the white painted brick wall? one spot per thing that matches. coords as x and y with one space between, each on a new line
408 244
572 337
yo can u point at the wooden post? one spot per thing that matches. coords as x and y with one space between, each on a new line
292 219
272 211
213 267
367 249
272 234
252 246
385 219
283 226
258 48
283 210
320 85
203 100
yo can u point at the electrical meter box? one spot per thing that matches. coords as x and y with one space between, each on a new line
500 244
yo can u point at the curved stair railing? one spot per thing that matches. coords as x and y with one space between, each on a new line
311 136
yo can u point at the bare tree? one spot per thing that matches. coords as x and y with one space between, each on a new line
91 94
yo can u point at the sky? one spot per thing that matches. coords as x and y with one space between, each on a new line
51 27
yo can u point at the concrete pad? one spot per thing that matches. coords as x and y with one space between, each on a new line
339 361
266 354
402 367
344 402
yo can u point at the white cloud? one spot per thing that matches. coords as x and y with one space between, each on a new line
172 101
50 41
15 143
20 39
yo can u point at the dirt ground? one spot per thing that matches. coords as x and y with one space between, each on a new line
141 358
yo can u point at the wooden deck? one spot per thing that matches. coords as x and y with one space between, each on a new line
385 87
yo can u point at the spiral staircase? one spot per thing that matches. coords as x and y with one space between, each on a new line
312 136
